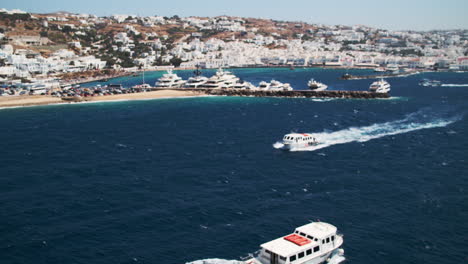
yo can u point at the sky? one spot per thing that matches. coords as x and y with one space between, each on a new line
387 14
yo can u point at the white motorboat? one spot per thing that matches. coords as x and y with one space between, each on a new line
428 82
392 68
274 86
379 69
313 243
380 86
297 140
244 86
169 80
316 86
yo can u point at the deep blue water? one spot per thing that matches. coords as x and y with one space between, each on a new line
178 180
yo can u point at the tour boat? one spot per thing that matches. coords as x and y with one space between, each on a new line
380 86
298 140
169 80
316 86
313 243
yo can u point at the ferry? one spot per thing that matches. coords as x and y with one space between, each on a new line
313 243
380 86
316 86
169 80
298 140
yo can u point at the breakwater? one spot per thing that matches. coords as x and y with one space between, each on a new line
292 94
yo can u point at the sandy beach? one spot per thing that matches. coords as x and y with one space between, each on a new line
28 100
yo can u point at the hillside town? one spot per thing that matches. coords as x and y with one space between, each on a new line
38 46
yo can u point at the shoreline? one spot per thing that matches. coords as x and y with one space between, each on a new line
41 100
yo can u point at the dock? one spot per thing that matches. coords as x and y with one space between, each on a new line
291 94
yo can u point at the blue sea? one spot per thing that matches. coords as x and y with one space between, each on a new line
188 179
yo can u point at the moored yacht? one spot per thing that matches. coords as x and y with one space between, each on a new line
197 80
379 69
279 86
392 68
313 243
274 86
169 80
380 86
316 86
244 85
222 79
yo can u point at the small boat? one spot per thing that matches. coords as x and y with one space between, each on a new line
298 140
428 82
380 86
316 86
379 69
313 243
142 86
346 76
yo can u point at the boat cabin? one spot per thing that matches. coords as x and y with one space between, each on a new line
306 243
298 138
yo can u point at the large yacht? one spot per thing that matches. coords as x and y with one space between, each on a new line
316 86
313 243
169 80
197 80
380 86
222 79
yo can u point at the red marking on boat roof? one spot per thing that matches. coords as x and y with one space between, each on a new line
298 240
305 135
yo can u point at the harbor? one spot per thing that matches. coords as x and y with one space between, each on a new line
291 94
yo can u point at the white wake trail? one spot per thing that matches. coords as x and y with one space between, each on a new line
411 123
454 85
215 261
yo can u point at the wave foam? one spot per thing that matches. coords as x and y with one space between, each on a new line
215 261
412 122
455 85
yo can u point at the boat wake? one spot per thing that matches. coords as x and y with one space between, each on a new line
215 261
422 119
454 85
